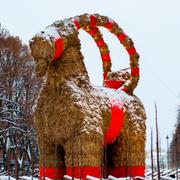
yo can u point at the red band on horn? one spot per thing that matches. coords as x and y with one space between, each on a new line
109 25
105 57
131 51
93 31
104 75
121 37
58 50
100 42
93 20
135 71
76 22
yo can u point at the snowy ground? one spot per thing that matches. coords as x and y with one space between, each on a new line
165 175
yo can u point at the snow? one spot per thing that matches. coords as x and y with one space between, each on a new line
20 161
114 178
108 97
67 29
6 178
49 32
8 143
110 177
27 178
166 178
119 97
44 80
91 178
29 152
69 177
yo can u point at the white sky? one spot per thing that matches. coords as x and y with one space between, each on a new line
153 25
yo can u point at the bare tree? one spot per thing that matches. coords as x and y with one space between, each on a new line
19 89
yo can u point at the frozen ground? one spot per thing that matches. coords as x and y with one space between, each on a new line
165 175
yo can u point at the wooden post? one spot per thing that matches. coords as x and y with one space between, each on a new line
72 155
167 137
105 161
44 163
176 156
152 161
102 158
157 142
55 161
32 160
8 164
81 159
16 158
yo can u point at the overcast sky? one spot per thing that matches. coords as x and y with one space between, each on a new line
153 25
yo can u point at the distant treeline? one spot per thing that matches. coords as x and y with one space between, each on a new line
175 144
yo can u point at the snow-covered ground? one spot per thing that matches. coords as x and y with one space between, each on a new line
165 175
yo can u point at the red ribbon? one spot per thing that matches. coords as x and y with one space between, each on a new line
115 84
95 171
82 172
131 51
93 31
51 172
121 37
116 121
135 71
77 24
93 20
104 75
124 89
125 171
109 25
105 57
100 42
58 49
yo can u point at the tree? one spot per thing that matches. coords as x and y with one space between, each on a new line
175 144
19 90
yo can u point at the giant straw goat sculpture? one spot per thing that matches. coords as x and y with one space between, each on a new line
74 119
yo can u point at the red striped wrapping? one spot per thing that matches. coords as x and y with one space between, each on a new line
93 20
109 25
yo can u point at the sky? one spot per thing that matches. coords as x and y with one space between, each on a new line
154 27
